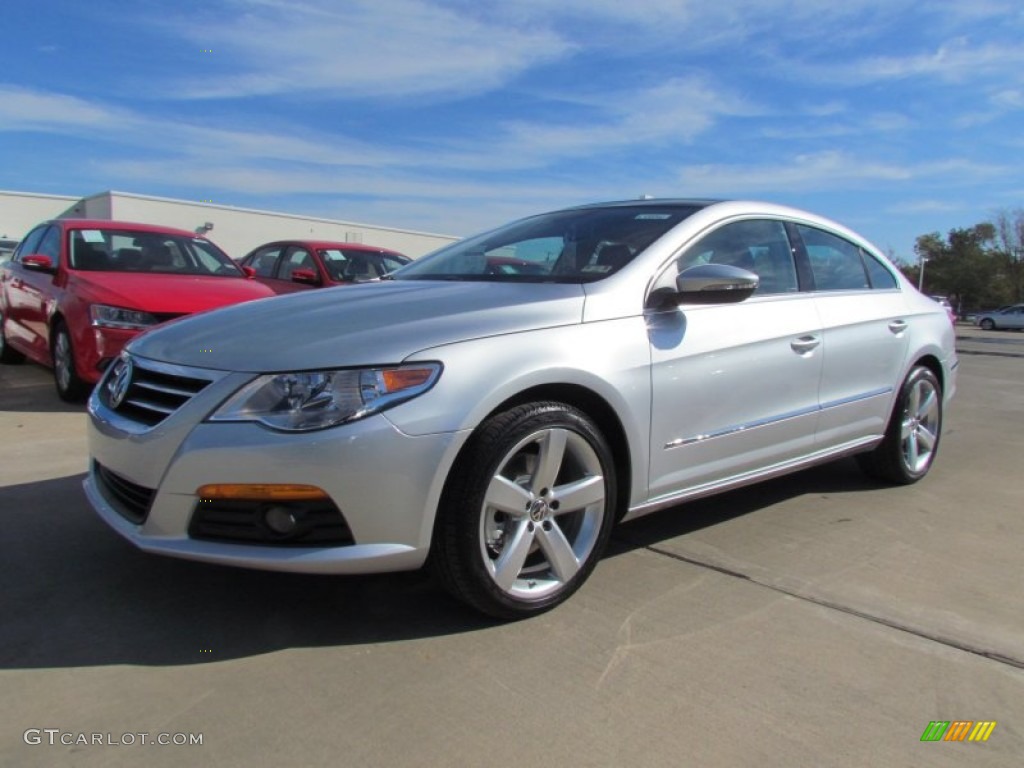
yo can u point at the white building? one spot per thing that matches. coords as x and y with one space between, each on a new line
236 230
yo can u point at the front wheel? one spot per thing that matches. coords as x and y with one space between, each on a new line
70 386
527 511
987 325
912 437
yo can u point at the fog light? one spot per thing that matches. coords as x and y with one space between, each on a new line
281 520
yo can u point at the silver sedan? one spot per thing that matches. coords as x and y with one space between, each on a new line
497 424
1006 317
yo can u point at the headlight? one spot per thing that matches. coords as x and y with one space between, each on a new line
308 400
118 317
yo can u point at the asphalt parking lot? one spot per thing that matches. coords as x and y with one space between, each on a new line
819 619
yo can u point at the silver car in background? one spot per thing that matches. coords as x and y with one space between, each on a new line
496 425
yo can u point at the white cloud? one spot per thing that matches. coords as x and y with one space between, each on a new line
365 48
675 111
956 61
24 108
825 170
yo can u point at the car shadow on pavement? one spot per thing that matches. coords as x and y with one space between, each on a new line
842 476
76 594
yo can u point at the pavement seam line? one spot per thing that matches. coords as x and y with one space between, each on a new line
891 624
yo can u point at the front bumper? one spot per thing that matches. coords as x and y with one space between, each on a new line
385 483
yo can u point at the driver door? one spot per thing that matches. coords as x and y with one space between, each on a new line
734 386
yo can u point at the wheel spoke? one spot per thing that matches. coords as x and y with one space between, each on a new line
507 496
915 400
559 552
549 460
910 451
509 565
578 495
926 438
906 429
928 406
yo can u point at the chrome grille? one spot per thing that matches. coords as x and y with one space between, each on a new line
152 394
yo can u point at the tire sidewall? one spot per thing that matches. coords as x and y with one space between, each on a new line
463 503
76 388
915 376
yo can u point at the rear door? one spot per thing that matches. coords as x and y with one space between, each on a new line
864 326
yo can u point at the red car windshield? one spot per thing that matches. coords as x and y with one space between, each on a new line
118 250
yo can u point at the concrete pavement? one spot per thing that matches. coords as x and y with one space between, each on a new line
815 620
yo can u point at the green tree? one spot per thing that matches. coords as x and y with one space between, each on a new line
966 266
1009 241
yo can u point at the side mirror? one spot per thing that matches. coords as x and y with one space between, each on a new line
37 262
715 284
249 272
307 276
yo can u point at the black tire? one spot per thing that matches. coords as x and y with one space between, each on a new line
912 436
526 512
987 324
7 354
70 386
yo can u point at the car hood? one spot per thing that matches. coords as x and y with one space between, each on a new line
168 294
367 324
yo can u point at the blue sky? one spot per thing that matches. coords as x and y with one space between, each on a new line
896 117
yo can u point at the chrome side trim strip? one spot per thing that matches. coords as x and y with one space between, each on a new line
681 441
749 478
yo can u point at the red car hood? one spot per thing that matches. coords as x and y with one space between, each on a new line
170 294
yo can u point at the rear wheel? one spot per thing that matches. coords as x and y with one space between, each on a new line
7 354
912 438
70 386
527 511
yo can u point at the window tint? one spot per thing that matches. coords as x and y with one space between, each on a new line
835 263
264 261
30 243
50 245
117 250
581 245
758 246
297 258
881 278
392 263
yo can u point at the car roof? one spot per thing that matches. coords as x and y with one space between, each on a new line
328 244
650 202
130 226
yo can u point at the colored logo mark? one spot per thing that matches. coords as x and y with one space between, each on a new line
958 730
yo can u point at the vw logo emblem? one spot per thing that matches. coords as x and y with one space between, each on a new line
118 385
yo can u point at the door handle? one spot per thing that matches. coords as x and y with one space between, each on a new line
898 326
804 344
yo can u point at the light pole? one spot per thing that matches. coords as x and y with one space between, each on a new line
920 274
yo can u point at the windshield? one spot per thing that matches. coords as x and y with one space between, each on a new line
352 265
118 250
575 246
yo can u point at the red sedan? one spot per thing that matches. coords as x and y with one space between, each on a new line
77 290
292 265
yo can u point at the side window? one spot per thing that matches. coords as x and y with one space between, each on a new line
264 261
50 245
835 263
881 278
297 258
390 263
758 245
28 246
